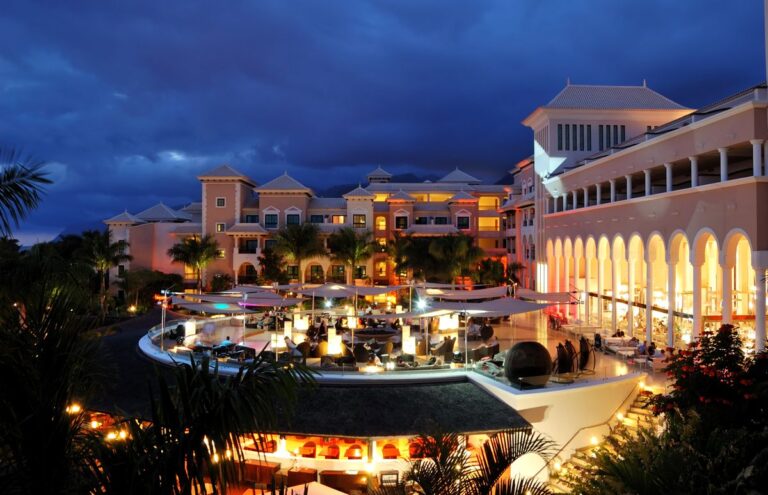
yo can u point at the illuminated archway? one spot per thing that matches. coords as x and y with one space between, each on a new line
656 291
681 280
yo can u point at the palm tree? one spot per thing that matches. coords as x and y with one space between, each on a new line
445 469
351 247
195 252
489 272
455 253
102 255
21 181
397 250
513 269
299 242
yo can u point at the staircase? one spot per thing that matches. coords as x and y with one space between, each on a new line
638 416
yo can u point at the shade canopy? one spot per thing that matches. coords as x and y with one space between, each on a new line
311 488
555 297
463 295
505 306
214 308
343 290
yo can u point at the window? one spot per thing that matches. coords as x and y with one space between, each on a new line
439 197
462 223
221 227
120 270
221 202
270 244
315 219
316 274
361 272
600 137
337 273
559 137
221 254
607 136
488 203
441 220
251 219
421 221
581 137
380 197
270 221
488 224
615 134
249 246
292 271
623 133
381 223
293 219
589 137
575 147
358 221
401 223
381 269
567 137
338 219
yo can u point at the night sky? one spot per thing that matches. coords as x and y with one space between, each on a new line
128 101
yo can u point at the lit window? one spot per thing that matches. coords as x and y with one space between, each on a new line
381 223
270 221
221 202
488 203
462 223
488 224
338 219
381 197
292 271
292 219
358 221
221 254
401 223
381 269
221 227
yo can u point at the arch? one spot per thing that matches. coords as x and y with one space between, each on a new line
673 246
590 247
567 248
730 243
314 273
603 248
618 248
550 249
636 247
699 244
558 247
247 273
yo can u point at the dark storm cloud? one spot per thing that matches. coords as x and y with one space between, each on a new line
130 100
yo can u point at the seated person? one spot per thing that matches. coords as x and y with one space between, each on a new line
634 341
292 347
598 341
652 349
226 342
642 349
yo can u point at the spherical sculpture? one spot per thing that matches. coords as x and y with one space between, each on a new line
528 364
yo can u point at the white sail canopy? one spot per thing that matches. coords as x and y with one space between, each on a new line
554 297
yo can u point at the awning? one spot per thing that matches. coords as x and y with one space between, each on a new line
214 308
463 295
491 309
343 290
271 302
373 411
555 297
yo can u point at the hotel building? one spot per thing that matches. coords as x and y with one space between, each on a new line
649 210
244 216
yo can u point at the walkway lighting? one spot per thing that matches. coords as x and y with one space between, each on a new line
74 408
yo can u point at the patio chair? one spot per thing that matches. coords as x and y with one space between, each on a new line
586 356
479 353
572 354
492 350
448 350
563 363
360 353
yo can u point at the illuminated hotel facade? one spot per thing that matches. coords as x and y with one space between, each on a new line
243 218
652 211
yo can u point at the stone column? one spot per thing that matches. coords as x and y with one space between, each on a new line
614 287
668 170
647 182
671 272
600 275
697 319
597 193
587 288
631 297
727 305
586 197
613 190
629 186
757 157
575 199
694 171
648 299
723 164
760 309
565 201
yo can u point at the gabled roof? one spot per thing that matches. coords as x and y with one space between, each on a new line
581 96
224 171
161 213
284 183
401 196
460 176
359 192
462 196
246 228
124 217
379 172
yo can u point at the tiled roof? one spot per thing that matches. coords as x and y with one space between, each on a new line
162 213
359 192
379 172
401 196
611 97
284 183
462 196
223 171
187 228
460 176
246 228
124 217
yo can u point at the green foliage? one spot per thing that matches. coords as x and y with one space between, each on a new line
21 183
456 253
196 252
141 285
513 271
272 267
101 254
351 247
489 272
716 428
221 282
298 243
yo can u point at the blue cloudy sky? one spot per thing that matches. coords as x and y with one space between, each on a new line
128 101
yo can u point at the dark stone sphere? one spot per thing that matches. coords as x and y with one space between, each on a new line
527 360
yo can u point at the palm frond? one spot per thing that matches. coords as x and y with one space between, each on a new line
21 183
